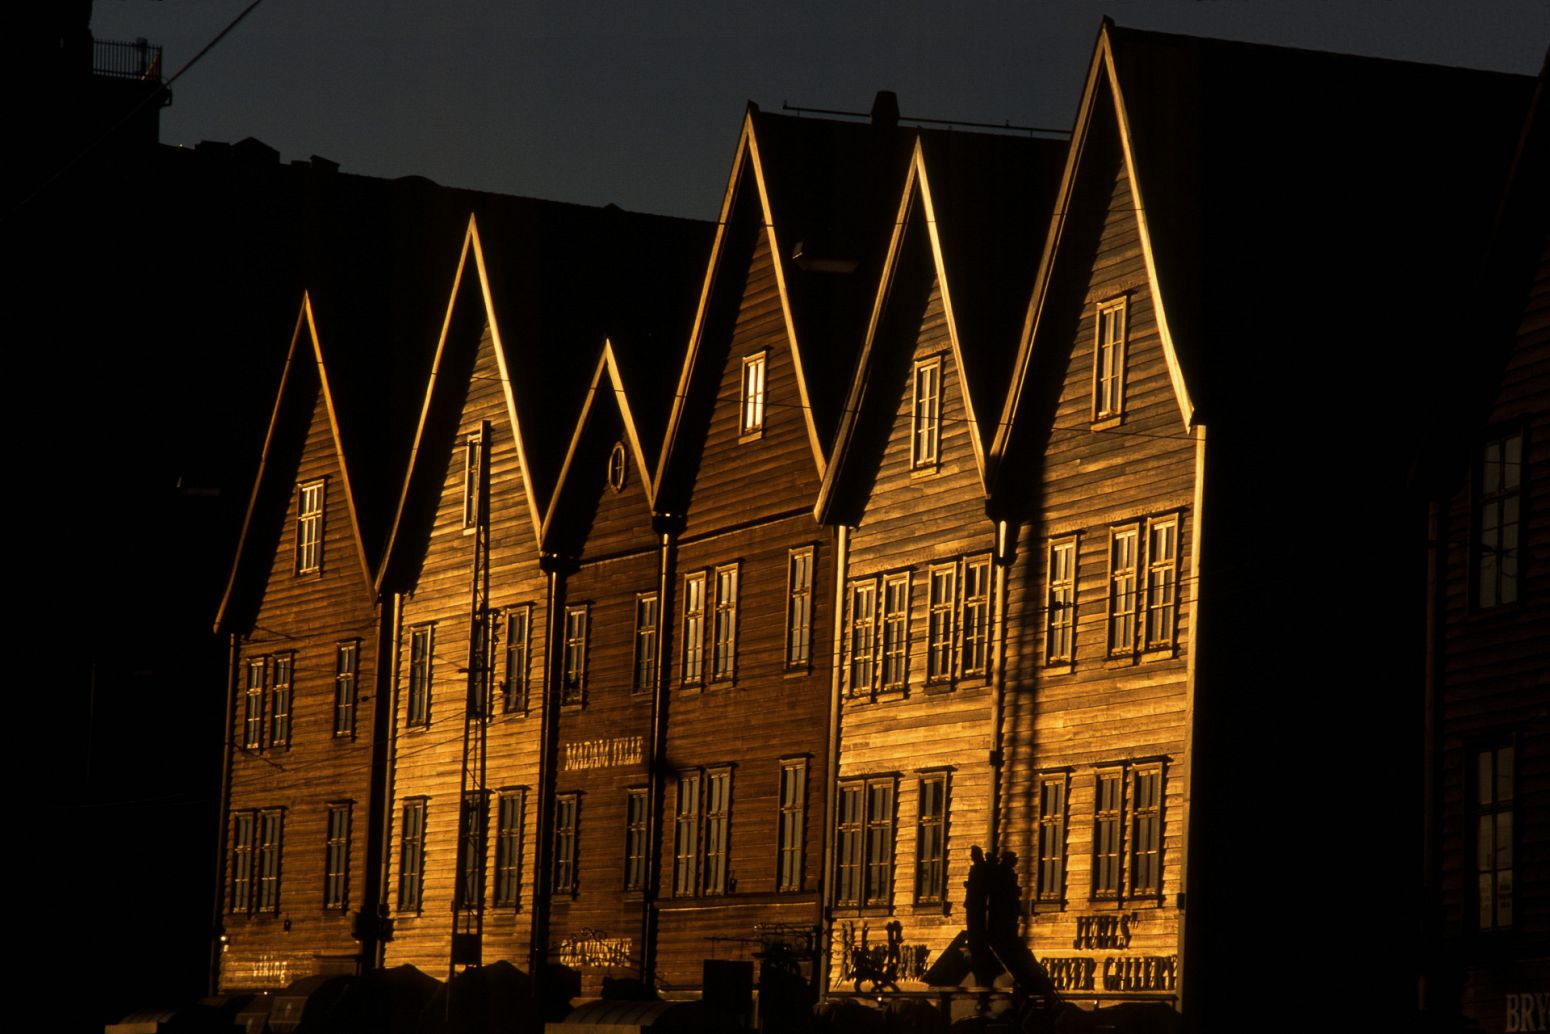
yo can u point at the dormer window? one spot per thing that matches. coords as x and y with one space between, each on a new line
1109 362
751 422
309 527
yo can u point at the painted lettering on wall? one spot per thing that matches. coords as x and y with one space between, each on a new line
1111 931
1115 973
592 949
1529 1010
611 752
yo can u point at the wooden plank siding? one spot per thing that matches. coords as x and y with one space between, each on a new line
428 759
1097 713
305 617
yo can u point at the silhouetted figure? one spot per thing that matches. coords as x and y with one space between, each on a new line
976 898
1003 908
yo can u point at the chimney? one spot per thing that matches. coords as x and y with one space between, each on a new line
885 109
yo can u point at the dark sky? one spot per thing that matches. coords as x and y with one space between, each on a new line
638 101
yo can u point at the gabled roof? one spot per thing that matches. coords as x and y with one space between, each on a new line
823 192
979 202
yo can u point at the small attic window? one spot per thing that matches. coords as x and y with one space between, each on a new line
618 467
751 421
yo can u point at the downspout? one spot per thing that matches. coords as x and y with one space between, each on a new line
656 748
218 925
832 767
1434 684
548 730
384 726
1006 550
1191 656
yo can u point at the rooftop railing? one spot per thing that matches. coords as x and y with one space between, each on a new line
126 60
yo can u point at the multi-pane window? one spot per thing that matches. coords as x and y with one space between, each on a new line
508 848
336 858
253 703
309 527
863 636
242 831
481 683
1492 811
799 608
1060 603
701 828
1050 851
419 703
567 815
1497 514
1124 561
347 658
1162 580
931 840
280 697
686 828
694 628
1146 786
645 642
411 855
636 849
939 632
1109 361
752 410
926 414
473 478
519 626
975 640
896 630
1108 827
271 838
724 645
574 671
469 891
864 855
793 803
716 828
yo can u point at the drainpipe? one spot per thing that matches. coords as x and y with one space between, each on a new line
1006 550
657 747
218 926
549 728
832 767
379 815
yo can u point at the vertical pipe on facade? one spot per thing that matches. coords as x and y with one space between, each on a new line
655 749
1186 776
538 950
1434 683
385 729
1004 551
218 944
832 765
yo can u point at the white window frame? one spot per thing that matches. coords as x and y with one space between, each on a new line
723 649
926 415
941 622
573 667
1109 348
692 668
311 508
799 607
752 395
474 463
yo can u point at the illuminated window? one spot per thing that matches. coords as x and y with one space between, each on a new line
793 806
864 857
253 703
1162 581
1109 361
573 682
926 420
939 632
309 527
468 892
1146 832
752 420
473 477
724 645
271 844
931 840
508 848
411 855
863 636
896 630
280 697
1108 827
635 845
1123 569
1051 849
242 828
519 627
686 829
346 667
799 608
336 861
1491 807
1060 603
1498 499
567 820
975 641
645 642
694 628
419 703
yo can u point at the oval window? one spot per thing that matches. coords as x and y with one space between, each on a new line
617 467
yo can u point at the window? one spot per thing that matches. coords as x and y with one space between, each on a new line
1107 827
573 683
1497 513
1050 851
280 700
1109 361
1123 566
931 841
1162 580
242 862
618 468
635 840
944 604
469 892
686 818
336 858
1492 808
865 854
694 628
799 608
752 422
1060 603
473 477
1146 786
419 706
309 527
645 642
519 625
481 665
567 816
271 836
717 827
926 419
793 804
346 666
508 848
724 646
253 703
863 635
975 645
896 642
411 855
